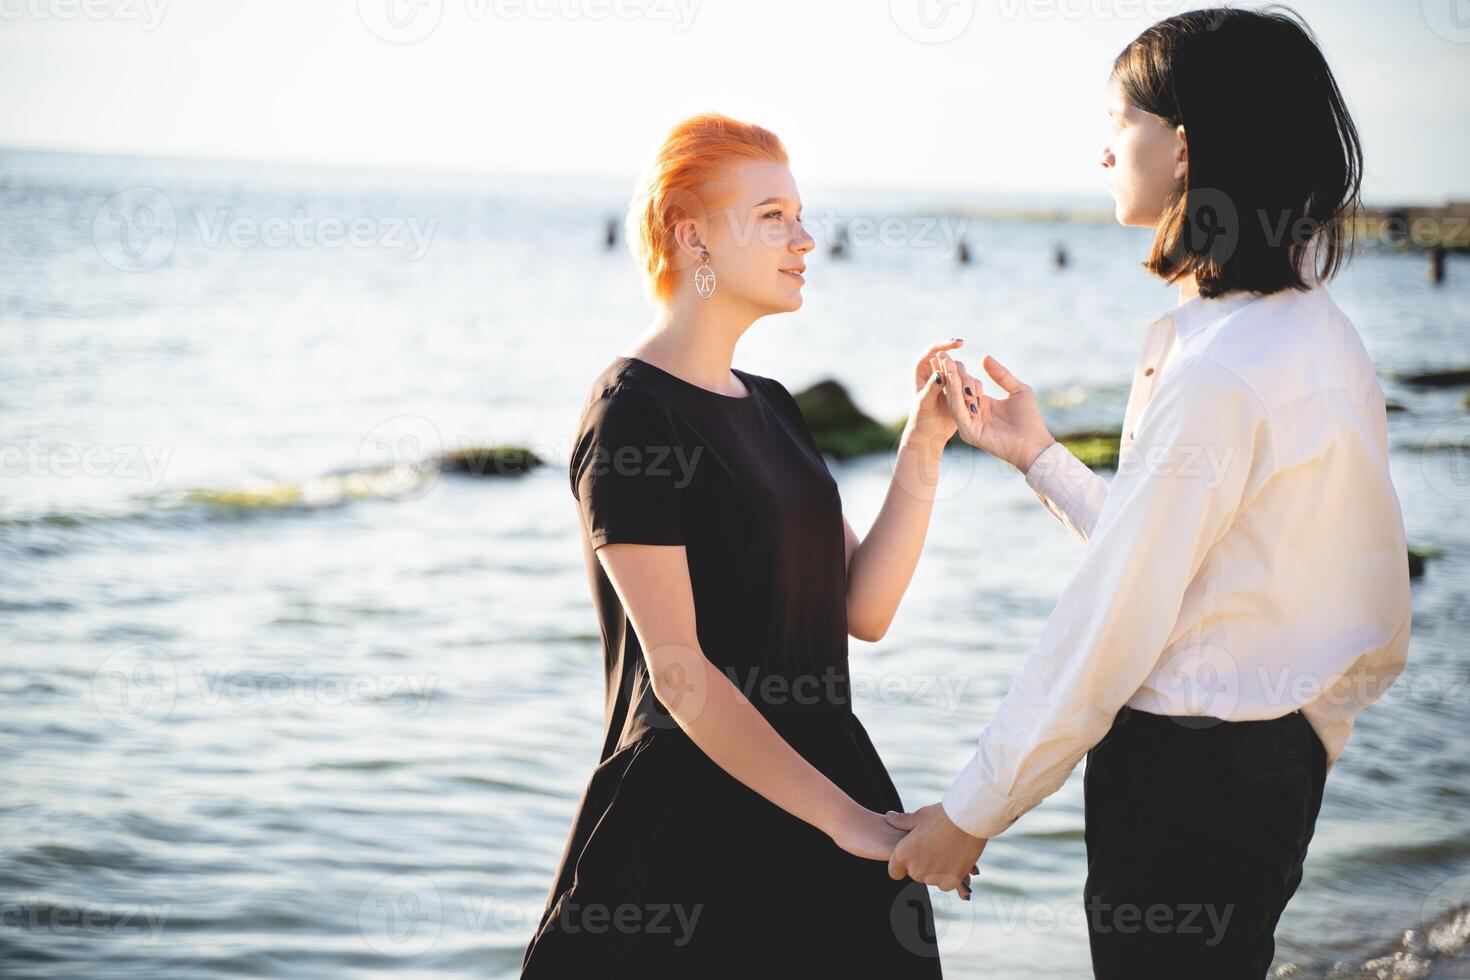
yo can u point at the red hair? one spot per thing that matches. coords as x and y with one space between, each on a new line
695 157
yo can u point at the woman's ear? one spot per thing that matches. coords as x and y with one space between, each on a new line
689 240
1181 154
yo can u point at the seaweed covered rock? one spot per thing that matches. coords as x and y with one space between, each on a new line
841 428
1417 558
1453 378
489 461
1097 448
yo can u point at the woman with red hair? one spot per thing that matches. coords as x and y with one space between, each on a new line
735 823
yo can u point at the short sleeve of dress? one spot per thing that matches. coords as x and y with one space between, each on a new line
623 471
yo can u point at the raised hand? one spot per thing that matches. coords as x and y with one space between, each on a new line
930 419
1011 428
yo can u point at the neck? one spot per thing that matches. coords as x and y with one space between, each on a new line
695 339
1188 289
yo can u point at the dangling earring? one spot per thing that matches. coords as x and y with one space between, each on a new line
704 276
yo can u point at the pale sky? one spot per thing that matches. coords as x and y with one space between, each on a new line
999 96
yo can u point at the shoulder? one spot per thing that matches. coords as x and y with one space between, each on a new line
772 389
1290 345
624 394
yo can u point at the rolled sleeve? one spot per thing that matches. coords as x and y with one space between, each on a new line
1177 489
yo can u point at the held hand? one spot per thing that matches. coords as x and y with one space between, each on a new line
1010 428
930 419
935 852
866 834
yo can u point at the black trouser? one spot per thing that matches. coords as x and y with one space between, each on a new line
1196 833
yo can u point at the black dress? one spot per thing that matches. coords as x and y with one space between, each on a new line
673 868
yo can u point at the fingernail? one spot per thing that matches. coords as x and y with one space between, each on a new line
936 377
972 408
968 391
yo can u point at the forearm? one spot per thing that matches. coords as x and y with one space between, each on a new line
1072 492
883 563
739 739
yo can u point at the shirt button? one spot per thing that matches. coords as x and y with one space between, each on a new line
1148 372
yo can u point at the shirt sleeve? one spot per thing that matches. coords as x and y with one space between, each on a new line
1068 488
628 471
1202 441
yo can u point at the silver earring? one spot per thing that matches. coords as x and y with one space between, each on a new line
704 276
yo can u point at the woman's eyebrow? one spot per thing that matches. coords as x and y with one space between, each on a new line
773 200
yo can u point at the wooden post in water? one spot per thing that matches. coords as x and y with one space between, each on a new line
1436 264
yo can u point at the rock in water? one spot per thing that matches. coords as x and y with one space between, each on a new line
840 427
490 461
1436 379
1098 448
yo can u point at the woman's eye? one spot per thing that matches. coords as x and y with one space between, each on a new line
772 214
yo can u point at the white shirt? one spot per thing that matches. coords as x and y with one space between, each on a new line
1247 560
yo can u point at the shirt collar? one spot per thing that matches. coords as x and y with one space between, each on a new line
1197 314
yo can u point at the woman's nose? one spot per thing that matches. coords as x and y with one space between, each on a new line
1106 159
803 242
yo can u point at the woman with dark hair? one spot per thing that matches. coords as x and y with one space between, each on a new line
1245 592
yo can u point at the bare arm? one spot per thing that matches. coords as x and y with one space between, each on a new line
653 583
881 565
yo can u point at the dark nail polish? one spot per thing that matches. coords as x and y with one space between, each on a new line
972 409
968 391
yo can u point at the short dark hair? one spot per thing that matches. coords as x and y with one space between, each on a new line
1275 162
